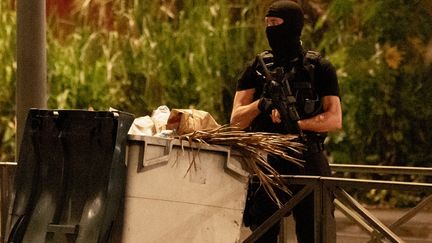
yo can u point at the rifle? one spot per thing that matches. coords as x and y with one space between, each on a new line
281 95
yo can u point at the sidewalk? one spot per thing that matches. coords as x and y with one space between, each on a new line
417 230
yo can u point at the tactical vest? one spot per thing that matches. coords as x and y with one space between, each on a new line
303 84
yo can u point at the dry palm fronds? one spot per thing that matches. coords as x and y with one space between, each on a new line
254 146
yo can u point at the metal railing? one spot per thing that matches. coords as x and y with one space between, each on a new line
312 184
395 170
347 204
6 176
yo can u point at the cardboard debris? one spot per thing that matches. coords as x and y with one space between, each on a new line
185 121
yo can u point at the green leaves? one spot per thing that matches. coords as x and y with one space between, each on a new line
377 47
181 55
137 55
7 81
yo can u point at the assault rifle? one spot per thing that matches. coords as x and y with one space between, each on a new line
279 91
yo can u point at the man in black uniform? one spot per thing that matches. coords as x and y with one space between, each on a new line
314 84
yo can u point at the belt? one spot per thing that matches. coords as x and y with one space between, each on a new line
314 146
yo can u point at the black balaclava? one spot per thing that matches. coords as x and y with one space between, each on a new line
284 39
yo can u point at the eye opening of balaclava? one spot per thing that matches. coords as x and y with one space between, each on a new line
284 39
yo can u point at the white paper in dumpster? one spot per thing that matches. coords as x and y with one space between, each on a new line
160 118
142 126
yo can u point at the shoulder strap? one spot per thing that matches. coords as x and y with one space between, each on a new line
312 56
310 61
267 57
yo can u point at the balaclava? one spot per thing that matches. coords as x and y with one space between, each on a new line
284 39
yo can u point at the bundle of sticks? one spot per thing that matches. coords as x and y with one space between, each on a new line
254 147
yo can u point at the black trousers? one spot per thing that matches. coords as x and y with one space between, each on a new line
260 207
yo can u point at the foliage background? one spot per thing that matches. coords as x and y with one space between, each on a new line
137 55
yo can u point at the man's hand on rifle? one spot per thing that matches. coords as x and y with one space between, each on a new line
275 116
265 105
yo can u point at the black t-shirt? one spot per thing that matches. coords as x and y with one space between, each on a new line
325 84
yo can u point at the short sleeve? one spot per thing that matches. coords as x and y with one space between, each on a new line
248 78
326 79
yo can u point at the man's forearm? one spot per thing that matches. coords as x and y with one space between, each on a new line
242 116
324 122
329 120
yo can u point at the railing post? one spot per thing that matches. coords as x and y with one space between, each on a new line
325 228
3 203
329 225
318 210
6 176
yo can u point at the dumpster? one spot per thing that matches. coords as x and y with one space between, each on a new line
69 182
181 192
